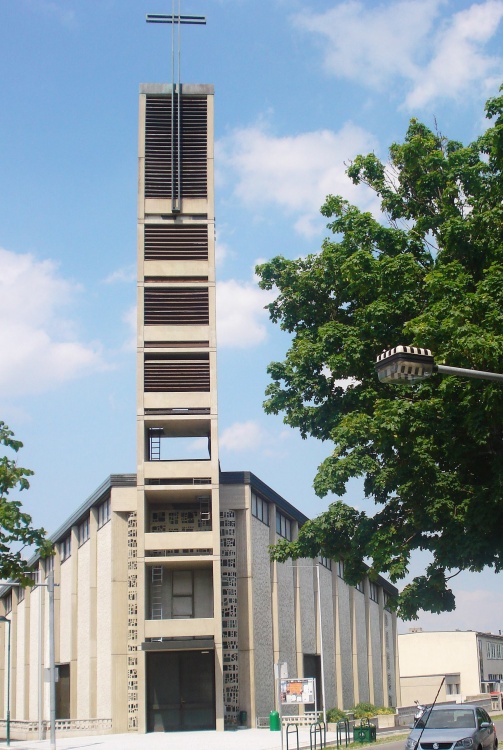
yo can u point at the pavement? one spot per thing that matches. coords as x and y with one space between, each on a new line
241 739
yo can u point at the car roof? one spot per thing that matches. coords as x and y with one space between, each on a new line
454 707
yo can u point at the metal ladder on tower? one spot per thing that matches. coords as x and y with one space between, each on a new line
204 511
156 593
154 438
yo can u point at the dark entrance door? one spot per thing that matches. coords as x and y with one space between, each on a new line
312 668
181 690
63 692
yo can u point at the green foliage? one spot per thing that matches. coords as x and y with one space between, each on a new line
15 526
430 274
368 710
335 714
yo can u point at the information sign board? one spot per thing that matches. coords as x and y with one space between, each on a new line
299 690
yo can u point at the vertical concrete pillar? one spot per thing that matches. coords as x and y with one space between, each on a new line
93 623
74 647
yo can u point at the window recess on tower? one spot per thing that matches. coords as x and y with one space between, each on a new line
183 410
163 373
176 242
165 146
179 517
180 440
174 593
176 306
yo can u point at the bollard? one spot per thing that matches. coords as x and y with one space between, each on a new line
274 722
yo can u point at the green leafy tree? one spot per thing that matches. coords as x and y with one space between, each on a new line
16 531
429 274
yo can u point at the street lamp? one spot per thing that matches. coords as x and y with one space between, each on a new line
52 667
6 619
413 364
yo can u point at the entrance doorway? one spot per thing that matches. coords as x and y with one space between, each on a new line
180 690
63 692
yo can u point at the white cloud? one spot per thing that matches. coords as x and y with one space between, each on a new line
241 318
250 436
127 274
40 349
459 62
243 436
295 173
130 318
64 16
408 43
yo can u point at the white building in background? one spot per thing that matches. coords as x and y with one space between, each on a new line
471 663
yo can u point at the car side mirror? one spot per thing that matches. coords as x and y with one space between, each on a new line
485 724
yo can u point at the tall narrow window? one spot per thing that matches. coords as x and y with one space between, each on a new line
283 526
183 594
260 508
84 531
65 548
103 513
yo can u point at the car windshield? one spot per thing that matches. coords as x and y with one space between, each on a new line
446 718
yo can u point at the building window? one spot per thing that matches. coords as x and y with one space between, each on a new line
7 603
340 568
494 650
373 591
359 586
183 594
49 564
103 513
20 594
326 562
283 526
84 531
386 599
65 548
260 508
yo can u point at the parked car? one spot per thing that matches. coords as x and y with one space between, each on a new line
453 727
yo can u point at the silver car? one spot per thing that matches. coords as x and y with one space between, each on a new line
453 727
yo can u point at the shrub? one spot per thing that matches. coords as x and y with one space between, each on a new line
335 714
367 710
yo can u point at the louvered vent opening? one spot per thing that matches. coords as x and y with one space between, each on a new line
176 344
187 374
168 242
184 307
176 279
158 150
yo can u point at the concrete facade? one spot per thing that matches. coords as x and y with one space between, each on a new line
274 612
471 663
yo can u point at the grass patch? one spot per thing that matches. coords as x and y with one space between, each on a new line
379 741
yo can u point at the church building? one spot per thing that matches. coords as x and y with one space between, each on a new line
169 614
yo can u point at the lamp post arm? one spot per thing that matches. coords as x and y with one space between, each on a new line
462 372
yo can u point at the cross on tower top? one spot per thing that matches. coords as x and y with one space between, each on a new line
175 19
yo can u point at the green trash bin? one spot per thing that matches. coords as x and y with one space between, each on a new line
365 732
274 722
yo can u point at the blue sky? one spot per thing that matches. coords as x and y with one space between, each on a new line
300 88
